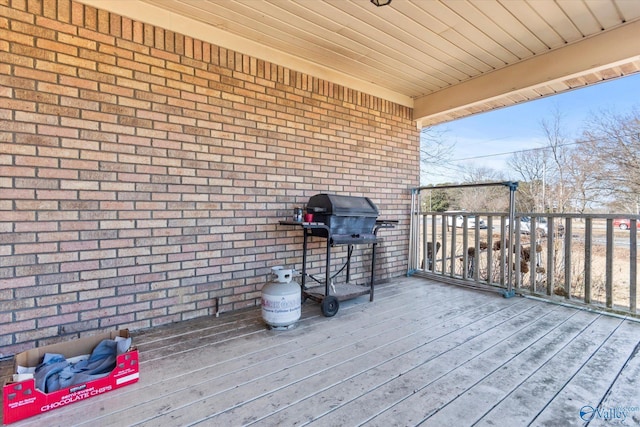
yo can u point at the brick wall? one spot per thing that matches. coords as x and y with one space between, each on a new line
142 172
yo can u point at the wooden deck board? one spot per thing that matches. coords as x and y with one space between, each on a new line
551 354
422 352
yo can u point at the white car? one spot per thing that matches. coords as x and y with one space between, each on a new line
542 228
459 220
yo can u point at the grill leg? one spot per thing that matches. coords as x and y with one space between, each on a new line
349 251
327 273
304 258
373 271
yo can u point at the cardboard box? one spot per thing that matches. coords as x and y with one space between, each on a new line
22 399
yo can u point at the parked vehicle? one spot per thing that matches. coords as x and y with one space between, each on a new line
458 217
542 226
624 224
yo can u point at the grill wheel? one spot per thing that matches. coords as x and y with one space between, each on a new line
329 306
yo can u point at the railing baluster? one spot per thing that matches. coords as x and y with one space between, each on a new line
588 229
489 249
516 247
465 247
550 258
609 265
503 250
567 256
454 240
425 252
476 253
444 243
434 242
533 265
633 262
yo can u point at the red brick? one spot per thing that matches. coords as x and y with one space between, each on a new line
17 282
97 195
78 164
56 67
79 185
57 173
57 216
36 205
39 30
92 35
15 37
36 248
57 47
36 226
36 118
17 171
13 194
18 327
58 131
78 124
79 266
77 13
13 126
98 313
56 194
32 52
55 25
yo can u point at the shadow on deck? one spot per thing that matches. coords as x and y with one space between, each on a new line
422 353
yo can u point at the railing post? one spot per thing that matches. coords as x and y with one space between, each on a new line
609 265
465 247
588 232
513 186
489 249
434 243
567 256
633 260
443 227
414 231
550 261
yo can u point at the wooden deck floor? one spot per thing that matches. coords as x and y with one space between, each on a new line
422 353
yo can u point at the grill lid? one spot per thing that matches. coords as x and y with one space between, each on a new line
333 204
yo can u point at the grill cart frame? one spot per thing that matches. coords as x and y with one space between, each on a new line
359 232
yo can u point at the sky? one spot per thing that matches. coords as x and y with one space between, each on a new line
489 139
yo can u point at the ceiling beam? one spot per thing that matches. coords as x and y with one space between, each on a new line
615 47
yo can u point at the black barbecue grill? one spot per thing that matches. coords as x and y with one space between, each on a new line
341 220
348 219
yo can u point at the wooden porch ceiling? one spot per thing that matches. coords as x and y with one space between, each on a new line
421 353
444 58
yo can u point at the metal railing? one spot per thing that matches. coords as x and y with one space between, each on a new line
582 259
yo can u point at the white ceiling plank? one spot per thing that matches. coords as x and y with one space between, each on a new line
581 16
628 8
490 37
557 20
534 23
523 46
605 13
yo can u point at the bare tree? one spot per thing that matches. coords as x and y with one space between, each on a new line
613 142
558 143
530 167
491 199
582 178
435 149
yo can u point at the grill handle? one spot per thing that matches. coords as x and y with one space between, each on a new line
317 209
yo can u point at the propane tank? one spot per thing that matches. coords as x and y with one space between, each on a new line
281 300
